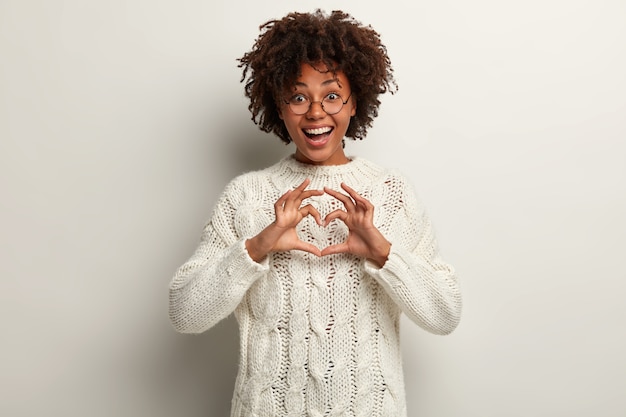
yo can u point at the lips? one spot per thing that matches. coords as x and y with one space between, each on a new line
318 136
317 131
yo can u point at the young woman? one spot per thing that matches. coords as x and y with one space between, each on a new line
319 254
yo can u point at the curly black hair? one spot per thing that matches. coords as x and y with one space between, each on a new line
339 41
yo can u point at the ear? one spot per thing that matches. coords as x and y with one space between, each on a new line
279 110
353 111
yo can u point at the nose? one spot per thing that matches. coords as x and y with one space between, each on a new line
316 111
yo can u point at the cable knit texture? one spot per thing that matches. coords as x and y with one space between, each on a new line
319 336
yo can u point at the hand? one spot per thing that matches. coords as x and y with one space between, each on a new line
281 234
364 239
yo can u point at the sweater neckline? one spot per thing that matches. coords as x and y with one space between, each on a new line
356 170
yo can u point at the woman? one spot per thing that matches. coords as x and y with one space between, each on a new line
317 277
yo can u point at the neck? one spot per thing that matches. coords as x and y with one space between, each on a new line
339 159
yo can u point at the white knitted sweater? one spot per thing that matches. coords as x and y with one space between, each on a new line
319 336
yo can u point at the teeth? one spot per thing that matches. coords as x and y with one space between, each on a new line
318 131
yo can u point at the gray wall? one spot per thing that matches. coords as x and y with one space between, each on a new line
121 121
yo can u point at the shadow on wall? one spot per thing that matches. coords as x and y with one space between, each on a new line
247 148
201 372
204 368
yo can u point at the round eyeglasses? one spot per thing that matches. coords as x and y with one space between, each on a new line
332 103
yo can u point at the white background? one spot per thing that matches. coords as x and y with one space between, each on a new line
121 122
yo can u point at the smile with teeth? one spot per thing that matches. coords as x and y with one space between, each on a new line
318 133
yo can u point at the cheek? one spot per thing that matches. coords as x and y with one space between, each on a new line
291 121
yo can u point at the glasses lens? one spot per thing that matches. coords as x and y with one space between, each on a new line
299 105
332 103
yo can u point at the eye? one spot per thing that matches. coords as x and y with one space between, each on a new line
330 97
299 99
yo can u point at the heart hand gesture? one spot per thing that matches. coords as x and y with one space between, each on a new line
364 239
281 234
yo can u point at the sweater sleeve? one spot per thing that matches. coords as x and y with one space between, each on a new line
212 283
424 287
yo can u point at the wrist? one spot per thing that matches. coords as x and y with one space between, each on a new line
253 250
261 245
381 256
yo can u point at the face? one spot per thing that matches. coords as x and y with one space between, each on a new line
317 135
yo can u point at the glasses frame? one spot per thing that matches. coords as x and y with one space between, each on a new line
321 102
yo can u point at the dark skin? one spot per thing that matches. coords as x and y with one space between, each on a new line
364 239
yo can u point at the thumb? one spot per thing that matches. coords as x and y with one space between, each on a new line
334 249
308 247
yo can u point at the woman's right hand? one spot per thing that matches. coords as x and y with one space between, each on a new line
281 234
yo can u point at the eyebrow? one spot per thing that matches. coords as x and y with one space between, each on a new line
324 84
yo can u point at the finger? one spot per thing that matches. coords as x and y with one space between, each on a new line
294 201
334 249
308 247
299 193
281 200
309 210
346 200
300 188
358 199
303 184
310 193
336 214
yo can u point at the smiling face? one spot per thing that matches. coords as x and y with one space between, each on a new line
317 135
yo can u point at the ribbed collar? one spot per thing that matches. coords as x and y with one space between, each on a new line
289 172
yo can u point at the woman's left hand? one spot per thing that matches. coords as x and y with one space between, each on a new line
364 239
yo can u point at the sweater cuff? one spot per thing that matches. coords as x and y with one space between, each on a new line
243 268
397 265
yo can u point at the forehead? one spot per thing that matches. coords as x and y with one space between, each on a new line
319 76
